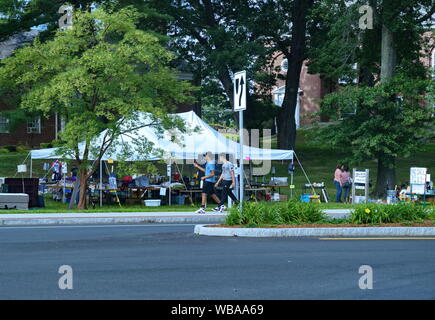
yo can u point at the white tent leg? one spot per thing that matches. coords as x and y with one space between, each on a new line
31 166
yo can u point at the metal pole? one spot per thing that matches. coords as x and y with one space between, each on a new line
291 180
241 159
366 189
31 166
353 185
101 183
169 171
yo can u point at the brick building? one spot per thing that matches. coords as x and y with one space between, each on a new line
312 87
44 130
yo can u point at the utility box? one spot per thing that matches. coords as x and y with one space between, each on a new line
17 201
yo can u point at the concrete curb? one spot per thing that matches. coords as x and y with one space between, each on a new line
314 232
112 220
21 219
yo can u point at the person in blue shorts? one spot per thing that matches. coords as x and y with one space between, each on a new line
208 181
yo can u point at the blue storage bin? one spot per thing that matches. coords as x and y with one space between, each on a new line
305 197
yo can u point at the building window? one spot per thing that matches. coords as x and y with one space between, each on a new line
34 125
4 124
278 96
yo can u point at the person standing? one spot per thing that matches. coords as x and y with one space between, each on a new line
337 183
345 183
228 179
208 181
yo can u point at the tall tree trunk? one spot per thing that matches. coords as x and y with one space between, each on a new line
386 175
296 56
82 205
388 54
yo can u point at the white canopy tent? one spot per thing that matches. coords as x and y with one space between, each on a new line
199 139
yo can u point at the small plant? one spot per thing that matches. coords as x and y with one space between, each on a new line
380 213
302 212
264 213
234 217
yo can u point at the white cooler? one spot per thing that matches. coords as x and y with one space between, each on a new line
18 201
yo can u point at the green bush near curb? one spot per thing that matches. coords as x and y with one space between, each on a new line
261 213
381 213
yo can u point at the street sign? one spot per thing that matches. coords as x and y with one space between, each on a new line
240 105
240 91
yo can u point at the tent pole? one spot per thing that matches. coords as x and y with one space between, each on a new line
306 176
31 165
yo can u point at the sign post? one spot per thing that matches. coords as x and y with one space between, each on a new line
361 182
169 174
240 105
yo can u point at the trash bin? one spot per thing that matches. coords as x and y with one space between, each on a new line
391 196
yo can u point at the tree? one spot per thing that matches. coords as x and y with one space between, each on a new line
380 128
283 27
215 41
98 76
392 47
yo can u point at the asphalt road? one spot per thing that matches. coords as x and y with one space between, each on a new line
170 262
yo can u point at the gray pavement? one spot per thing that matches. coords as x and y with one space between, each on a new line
162 261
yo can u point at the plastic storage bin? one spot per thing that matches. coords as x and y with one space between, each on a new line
152 203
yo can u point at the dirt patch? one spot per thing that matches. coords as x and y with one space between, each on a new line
426 223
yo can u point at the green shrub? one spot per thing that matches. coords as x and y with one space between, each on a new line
10 148
381 213
272 214
3 150
300 212
234 217
258 213
22 148
44 145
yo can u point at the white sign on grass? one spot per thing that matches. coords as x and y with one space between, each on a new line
360 177
418 175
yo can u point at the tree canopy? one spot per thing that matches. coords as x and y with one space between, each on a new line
97 75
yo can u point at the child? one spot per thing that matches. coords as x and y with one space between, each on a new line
208 181
228 181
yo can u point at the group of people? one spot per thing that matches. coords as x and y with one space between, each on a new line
210 182
343 183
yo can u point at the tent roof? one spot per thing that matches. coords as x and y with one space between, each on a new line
189 146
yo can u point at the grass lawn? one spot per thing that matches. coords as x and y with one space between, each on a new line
319 164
